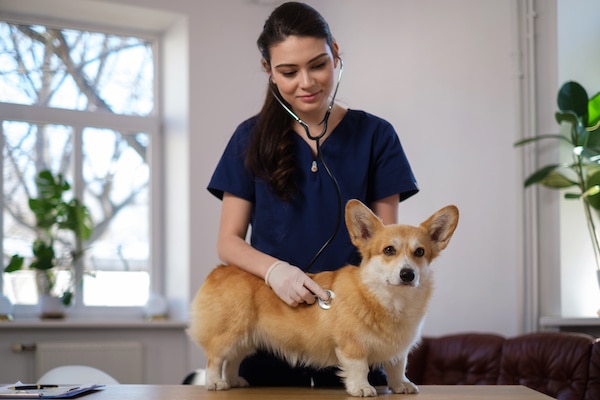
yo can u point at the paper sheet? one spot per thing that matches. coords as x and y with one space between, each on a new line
17 391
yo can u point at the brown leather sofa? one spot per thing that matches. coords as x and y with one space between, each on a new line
563 365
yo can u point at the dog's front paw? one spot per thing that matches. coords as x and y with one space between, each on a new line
217 385
362 391
406 387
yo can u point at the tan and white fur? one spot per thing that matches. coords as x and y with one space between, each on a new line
375 317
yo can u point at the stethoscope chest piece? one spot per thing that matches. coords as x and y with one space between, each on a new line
326 304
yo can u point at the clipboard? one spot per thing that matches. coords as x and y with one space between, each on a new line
21 391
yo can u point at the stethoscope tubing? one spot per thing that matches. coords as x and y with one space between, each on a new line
325 120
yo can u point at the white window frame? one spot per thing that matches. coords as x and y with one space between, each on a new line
80 120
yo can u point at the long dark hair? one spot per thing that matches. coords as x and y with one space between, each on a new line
271 152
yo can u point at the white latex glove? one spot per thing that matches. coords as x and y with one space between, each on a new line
292 285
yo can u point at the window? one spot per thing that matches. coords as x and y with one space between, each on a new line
83 104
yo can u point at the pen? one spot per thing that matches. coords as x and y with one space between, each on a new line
32 387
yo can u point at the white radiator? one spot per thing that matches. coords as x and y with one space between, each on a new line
124 360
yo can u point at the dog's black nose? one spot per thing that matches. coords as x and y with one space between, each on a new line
407 275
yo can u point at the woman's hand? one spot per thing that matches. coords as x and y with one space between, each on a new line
292 285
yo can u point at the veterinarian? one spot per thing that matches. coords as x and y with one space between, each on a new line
287 173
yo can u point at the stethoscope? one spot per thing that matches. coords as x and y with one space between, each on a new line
317 139
325 120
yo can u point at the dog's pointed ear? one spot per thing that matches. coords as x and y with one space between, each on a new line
361 222
441 225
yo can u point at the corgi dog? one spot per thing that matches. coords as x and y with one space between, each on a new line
374 315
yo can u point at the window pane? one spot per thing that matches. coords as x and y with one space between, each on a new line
130 288
21 288
29 148
78 70
116 191
116 181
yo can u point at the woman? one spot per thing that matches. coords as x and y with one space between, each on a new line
288 171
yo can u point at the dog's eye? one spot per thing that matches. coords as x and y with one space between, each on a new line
389 251
419 252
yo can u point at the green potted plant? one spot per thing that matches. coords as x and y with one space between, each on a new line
579 120
54 216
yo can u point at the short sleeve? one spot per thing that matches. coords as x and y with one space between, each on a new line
391 172
231 174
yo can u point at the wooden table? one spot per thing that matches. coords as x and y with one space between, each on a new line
191 392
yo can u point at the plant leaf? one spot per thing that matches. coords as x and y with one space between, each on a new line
548 176
44 210
573 97
556 180
50 187
15 264
592 188
540 137
594 110
66 298
566 116
78 219
43 254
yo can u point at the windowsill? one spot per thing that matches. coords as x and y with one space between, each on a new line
78 315
569 321
67 323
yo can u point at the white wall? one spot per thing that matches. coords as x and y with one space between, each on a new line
446 80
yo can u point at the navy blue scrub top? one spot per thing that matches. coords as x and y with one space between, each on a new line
364 154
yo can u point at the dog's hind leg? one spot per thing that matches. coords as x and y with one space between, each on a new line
222 371
355 372
214 376
232 368
396 376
